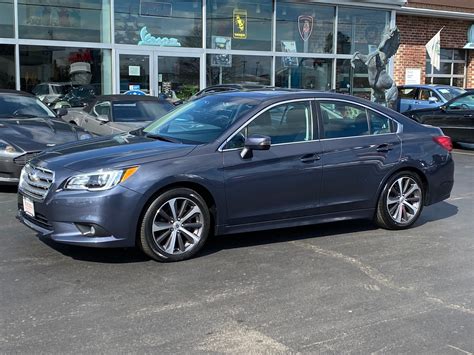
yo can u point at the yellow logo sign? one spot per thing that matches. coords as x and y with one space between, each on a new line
240 24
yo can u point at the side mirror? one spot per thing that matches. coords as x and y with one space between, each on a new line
255 142
60 112
103 119
433 100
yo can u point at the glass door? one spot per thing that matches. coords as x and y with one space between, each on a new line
177 77
134 73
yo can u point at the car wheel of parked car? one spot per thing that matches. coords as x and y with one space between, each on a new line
401 201
175 226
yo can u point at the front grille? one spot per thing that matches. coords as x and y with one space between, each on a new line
25 158
35 181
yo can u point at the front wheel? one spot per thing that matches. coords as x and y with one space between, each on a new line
175 226
401 201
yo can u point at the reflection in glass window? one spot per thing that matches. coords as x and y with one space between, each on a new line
243 70
310 73
293 19
341 119
178 77
170 23
351 80
65 77
6 19
242 25
360 29
67 20
7 67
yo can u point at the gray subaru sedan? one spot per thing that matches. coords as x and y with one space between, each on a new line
237 162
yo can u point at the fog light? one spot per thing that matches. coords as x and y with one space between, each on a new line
91 230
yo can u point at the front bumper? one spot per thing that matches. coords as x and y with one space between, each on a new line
9 171
62 216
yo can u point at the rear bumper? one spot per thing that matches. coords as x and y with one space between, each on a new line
440 182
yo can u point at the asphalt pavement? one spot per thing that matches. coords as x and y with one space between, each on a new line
343 287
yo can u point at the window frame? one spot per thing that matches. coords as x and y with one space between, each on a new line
397 127
431 76
313 123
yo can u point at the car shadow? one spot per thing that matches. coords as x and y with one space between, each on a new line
216 244
9 189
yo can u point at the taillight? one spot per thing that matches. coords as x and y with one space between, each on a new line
445 142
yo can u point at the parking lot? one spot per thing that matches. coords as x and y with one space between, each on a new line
340 287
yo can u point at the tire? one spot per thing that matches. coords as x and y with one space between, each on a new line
167 235
397 210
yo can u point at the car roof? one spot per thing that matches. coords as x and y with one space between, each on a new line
14 92
428 86
121 97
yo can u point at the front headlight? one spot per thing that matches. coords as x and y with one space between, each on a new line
99 180
7 148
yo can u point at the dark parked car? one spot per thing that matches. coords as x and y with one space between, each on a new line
455 118
27 126
416 97
110 114
237 162
214 89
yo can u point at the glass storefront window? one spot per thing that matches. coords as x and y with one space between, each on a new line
65 77
353 81
134 73
451 71
6 19
360 29
304 28
7 67
239 69
310 73
178 77
170 23
67 20
240 25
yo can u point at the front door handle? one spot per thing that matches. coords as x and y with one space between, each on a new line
384 147
310 158
468 116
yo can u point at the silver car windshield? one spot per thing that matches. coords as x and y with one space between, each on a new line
203 120
18 106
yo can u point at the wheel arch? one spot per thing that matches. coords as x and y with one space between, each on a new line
199 188
412 169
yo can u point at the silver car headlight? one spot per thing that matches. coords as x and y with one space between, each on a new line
99 180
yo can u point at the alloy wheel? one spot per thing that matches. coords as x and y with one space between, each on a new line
177 226
404 200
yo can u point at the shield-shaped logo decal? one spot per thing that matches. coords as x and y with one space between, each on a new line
305 26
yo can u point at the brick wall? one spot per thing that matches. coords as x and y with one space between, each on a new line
416 31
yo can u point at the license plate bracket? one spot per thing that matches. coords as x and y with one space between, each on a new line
28 206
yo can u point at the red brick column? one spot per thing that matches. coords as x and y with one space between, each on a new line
470 70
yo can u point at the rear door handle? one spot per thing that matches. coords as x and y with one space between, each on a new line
468 116
310 158
384 147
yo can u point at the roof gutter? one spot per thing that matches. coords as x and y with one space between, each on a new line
415 11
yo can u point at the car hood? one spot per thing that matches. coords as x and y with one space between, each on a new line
35 134
109 152
129 126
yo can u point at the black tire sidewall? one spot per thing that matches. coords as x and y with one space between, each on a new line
147 243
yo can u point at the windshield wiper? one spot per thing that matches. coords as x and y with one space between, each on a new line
162 138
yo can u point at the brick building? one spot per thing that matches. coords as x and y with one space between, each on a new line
419 21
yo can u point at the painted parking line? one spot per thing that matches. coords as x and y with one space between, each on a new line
463 153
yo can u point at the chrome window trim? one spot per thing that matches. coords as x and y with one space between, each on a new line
309 99
399 125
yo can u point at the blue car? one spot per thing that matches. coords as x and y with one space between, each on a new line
416 97
237 162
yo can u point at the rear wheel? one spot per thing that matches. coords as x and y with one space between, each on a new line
401 201
175 226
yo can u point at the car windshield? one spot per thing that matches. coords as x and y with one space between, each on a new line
201 121
140 111
450 93
18 106
61 89
463 103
